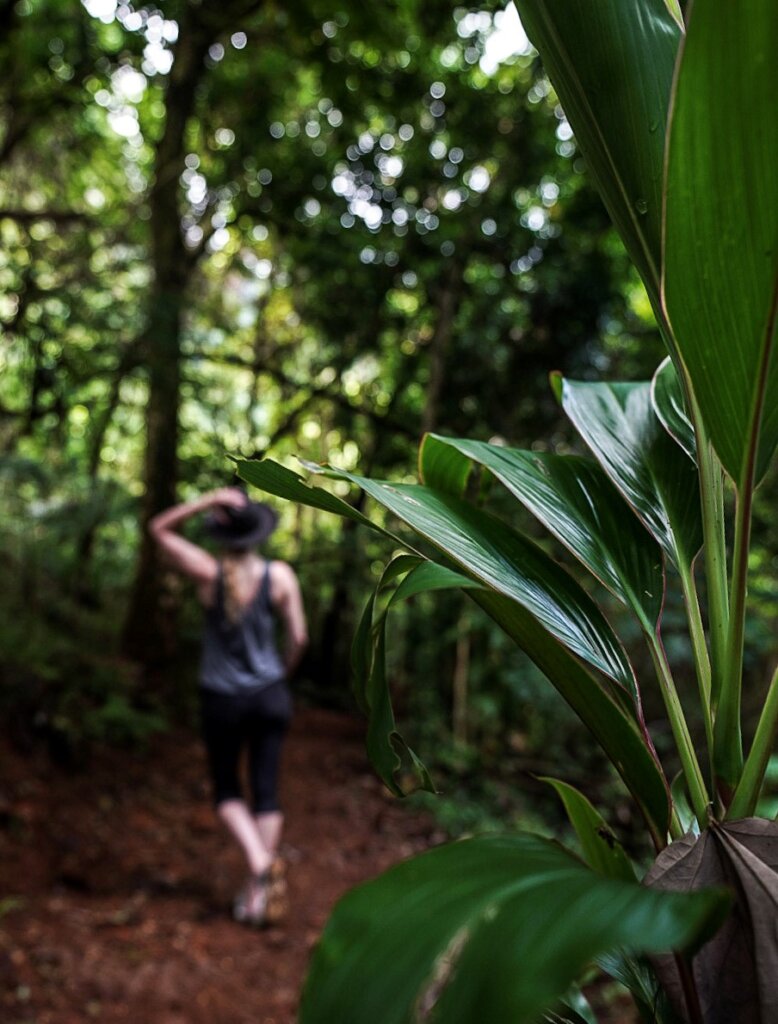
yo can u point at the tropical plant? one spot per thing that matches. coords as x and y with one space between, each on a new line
677 127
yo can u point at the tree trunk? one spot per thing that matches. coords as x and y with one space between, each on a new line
149 627
447 303
81 583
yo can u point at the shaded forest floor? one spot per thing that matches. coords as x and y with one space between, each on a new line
117 881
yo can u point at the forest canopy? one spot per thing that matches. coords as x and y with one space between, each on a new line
248 229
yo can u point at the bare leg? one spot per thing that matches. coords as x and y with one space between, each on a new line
269 826
238 819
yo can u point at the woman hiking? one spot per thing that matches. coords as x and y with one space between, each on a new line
245 699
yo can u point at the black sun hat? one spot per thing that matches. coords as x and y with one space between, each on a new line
238 528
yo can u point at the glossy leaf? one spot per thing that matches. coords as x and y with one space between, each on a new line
576 501
611 63
721 242
627 748
654 474
601 849
670 407
276 479
386 747
362 654
489 551
427 576
494 928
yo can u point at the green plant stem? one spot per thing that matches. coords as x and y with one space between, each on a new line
676 828
715 553
689 763
727 731
726 734
747 793
701 658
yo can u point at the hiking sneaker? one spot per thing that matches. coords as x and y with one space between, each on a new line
277 902
251 903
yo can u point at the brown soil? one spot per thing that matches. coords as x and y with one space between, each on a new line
117 881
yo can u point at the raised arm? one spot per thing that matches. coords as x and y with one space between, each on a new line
287 599
182 554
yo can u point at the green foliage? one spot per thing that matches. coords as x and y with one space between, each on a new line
574 500
61 679
396 228
355 184
522 590
436 922
619 424
493 900
721 261
601 850
617 99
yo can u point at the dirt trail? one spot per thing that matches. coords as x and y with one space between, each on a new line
115 883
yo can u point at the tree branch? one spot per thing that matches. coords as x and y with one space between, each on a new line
324 391
57 216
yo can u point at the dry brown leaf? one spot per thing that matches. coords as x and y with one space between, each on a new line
736 972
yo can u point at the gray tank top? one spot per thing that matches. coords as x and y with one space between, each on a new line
240 656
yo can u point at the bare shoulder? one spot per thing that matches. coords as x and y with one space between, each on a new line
284 589
285 595
282 577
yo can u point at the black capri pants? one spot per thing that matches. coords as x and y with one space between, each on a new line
257 720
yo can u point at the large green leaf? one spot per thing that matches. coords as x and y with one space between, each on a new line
487 550
576 501
276 479
721 241
611 63
629 750
489 929
601 849
645 463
